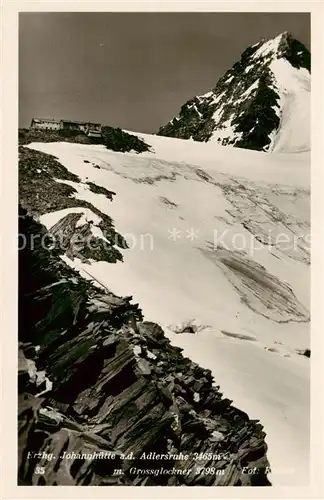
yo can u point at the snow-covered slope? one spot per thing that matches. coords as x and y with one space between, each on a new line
218 239
261 103
293 87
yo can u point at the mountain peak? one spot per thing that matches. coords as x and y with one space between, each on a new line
285 35
283 45
247 106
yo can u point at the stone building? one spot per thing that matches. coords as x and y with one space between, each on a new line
45 124
88 128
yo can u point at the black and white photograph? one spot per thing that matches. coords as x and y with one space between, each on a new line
164 248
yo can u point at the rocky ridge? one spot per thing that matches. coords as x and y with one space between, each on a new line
112 138
47 186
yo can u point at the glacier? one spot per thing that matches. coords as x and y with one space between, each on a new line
218 238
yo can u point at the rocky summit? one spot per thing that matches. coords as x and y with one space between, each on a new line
261 103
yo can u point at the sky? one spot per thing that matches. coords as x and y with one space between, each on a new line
133 70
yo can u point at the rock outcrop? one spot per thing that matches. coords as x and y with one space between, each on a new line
46 186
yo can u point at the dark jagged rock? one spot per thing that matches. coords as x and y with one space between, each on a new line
305 352
118 140
108 412
101 190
